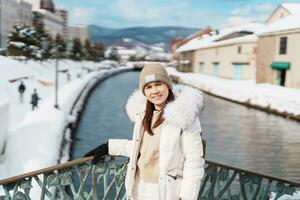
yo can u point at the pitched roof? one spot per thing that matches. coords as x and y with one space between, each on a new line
285 24
212 40
293 8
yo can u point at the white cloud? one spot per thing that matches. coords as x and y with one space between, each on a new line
249 13
81 15
250 10
264 8
236 21
242 11
144 13
128 13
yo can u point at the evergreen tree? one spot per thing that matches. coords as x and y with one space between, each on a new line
94 52
43 36
114 55
88 49
49 46
23 41
38 24
61 46
77 49
98 52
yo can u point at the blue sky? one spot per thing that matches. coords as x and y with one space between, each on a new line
187 13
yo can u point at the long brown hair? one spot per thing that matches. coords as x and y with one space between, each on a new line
147 121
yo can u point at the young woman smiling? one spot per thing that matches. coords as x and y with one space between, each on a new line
166 153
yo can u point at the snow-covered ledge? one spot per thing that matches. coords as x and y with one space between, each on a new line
4 117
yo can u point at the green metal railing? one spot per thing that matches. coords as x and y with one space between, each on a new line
72 180
80 180
227 182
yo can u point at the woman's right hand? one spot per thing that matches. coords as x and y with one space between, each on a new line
98 153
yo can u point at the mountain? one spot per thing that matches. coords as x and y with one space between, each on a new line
146 35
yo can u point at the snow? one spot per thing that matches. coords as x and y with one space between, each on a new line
157 48
248 38
207 40
4 115
33 138
278 98
296 196
17 44
285 24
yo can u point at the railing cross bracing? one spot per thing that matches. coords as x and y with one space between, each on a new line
80 180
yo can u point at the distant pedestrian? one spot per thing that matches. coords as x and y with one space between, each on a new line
34 99
21 89
68 77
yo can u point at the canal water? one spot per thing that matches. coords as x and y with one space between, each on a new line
235 135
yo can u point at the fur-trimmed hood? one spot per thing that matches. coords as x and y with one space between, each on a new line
182 111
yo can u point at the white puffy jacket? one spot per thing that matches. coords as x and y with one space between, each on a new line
181 166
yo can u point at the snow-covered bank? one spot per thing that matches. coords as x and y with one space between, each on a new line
35 137
4 116
44 128
273 98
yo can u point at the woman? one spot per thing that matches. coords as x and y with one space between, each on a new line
166 150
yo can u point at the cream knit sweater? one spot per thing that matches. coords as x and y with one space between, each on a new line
149 154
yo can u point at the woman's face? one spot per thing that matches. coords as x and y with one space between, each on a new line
157 93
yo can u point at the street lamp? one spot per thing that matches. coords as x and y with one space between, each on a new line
18 79
56 75
56 78
55 51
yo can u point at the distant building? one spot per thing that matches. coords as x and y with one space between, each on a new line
278 59
175 44
44 10
80 32
42 4
123 53
12 12
64 15
8 18
24 12
227 53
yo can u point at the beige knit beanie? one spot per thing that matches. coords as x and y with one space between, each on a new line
154 72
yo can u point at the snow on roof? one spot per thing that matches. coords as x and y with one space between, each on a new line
126 51
293 8
209 40
285 24
247 38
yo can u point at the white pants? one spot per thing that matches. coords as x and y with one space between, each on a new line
145 190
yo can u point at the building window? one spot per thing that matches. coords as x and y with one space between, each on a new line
201 66
281 15
239 70
215 68
239 49
216 51
283 45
